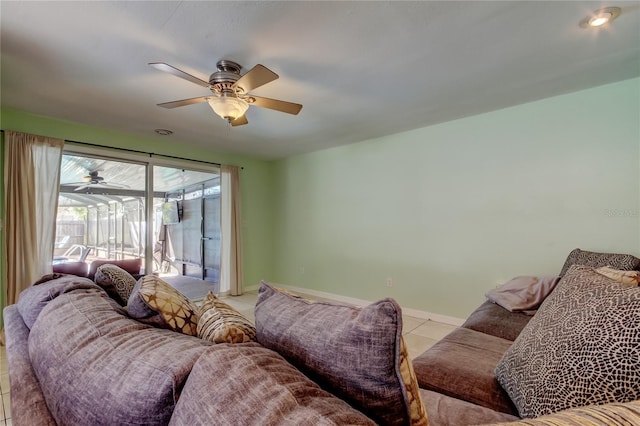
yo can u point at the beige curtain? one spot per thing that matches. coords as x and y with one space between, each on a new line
231 225
31 178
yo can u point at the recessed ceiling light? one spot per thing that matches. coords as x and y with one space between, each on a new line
163 132
601 17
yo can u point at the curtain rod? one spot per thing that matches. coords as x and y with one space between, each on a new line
151 154
141 152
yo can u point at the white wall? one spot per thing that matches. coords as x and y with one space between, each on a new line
451 210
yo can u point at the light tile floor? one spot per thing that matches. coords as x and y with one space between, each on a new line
419 335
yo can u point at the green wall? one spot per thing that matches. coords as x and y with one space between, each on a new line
446 211
452 210
256 178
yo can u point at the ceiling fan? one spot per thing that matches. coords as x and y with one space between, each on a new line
93 179
230 97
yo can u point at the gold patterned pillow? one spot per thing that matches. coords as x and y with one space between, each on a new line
155 302
221 323
593 415
417 412
624 277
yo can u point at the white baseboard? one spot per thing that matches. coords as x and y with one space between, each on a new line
416 313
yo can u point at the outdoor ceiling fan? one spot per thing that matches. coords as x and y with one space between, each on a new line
93 179
230 96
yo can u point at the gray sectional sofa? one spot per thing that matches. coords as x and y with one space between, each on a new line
76 357
523 365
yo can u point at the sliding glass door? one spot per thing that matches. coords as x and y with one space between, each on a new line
187 223
102 214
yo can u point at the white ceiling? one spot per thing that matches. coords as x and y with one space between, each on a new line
361 69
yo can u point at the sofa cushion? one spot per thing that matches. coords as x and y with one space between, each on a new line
446 411
493 319
581 348
33 299
97 366
221 323
461 365
625 262
132 266
27 401
357 354
260 388
627 414
155 302
79 269
117 282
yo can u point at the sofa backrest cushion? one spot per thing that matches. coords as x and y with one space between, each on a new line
117 282
494 320
33 299
132 266
156 302
262 388
97 366
581 348
356 353
625 262
79 269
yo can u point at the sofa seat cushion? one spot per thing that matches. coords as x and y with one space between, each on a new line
260 388
97 366
444 410
624 262
495 320
462 365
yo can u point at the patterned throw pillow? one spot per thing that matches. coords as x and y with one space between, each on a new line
581 348
624 262
155 302
117 282
220 323
355 353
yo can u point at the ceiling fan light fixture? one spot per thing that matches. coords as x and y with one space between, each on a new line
601 17
228 107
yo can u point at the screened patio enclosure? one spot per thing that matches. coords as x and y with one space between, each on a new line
102 215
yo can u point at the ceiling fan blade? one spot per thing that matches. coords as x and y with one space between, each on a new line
178 73
240 121
256 77
184 102
81 187
283 106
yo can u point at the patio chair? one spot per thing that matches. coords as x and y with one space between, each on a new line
75 250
